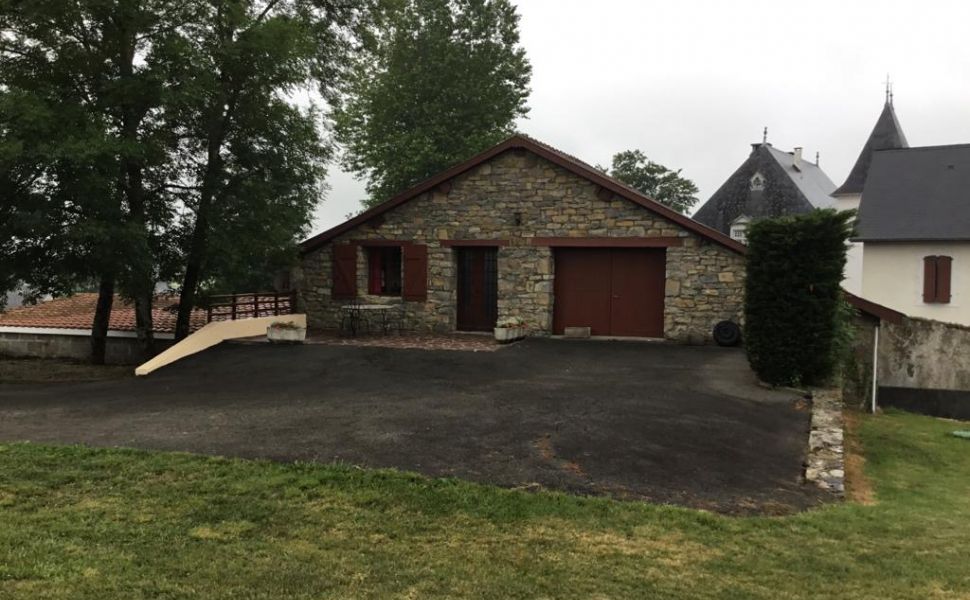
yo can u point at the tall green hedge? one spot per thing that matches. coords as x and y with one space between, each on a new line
792 313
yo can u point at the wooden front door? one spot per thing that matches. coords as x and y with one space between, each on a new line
477 288
613 291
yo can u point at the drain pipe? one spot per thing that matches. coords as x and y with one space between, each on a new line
875 365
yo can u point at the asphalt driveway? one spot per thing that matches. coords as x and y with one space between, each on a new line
678 424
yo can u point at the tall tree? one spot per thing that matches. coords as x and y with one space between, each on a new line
248 56
100 71
444 79
146 138
664 185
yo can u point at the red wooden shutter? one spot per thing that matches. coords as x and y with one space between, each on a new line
344 269
374 271
415 272
929 279
943 269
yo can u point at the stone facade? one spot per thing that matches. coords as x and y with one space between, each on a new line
826 455
515 197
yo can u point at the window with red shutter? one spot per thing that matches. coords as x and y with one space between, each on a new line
344 267
929 279
944 267
937 271
384 270
416 272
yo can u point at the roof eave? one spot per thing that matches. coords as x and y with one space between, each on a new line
883 313
909 239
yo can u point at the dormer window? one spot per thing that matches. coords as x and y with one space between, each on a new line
757 182
739 229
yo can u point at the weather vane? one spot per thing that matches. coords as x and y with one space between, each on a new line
889 90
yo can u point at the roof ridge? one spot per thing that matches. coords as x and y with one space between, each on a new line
521 140
935 147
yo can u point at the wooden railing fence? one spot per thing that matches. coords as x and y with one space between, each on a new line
250 305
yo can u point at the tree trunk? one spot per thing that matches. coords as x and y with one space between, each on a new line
102 318
142 282
216 134
193 265
139 276
217 128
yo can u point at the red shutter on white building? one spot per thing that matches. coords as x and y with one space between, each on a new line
944 266
929 279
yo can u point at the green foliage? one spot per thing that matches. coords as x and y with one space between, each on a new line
86 144
795 322
664 185
146 139
443 80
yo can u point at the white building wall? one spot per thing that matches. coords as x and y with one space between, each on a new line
852 277
892 274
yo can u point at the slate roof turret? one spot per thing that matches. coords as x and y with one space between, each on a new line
886 135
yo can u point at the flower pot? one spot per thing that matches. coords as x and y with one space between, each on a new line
504 335
286 335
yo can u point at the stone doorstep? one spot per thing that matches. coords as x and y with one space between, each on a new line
825 463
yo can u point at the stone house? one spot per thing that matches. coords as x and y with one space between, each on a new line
524 230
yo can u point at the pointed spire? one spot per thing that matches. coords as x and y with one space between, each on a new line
886 135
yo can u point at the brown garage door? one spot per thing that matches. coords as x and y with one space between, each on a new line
615 291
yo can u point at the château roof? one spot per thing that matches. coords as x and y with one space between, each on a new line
886 135
789 189
917 194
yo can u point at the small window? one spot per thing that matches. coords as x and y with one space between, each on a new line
739 233
739 229
937 272
757 182
384 272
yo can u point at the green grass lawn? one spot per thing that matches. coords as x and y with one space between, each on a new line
83 523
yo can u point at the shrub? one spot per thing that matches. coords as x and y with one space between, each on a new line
794 318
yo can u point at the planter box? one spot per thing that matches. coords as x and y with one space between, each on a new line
286 335
504 335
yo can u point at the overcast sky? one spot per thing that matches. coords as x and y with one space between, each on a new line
692 83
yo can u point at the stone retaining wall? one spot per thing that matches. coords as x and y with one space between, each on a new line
924 366
826 454
119 350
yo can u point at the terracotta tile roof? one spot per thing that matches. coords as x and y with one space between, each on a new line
77 312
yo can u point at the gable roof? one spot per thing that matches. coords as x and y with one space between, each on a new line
886 135
557 157
788 190
917 194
